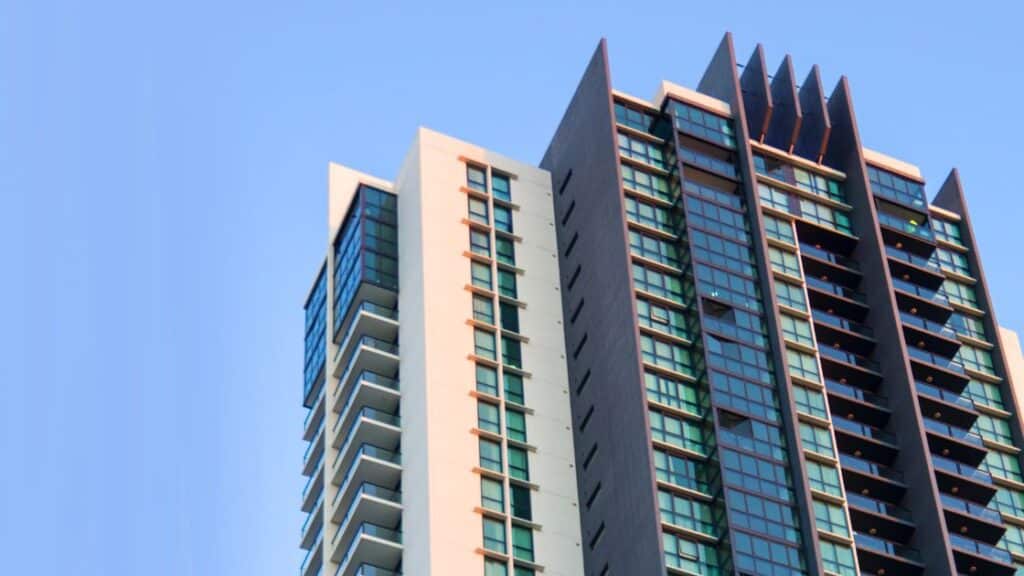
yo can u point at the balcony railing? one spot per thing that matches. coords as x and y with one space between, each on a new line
953 432
980 548
311 553
370 451
884 508
704 161
371 570
970 508
844 323
928 325
848 357
854 392
936 392
920 230
921 291
829 256
836 289
315 513
950 364
960 469
367 529
912 258
886 547
868 467
864 430
366 489
364 376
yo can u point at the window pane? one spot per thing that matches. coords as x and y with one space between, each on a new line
512 352
476 178
514 388
521 506
490 455
522 543
488 417
509 317
483 309
478 210
494 535
484 343
515 422
487 379
481 275
500 187
492 494
518 464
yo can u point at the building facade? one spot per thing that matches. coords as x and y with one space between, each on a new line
711 334
436 382
783 358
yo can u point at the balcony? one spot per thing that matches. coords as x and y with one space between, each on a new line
945 406
367 353
956 443
868 478
314 454
863 440
367 464
911 267
707 158
878 517
313 489
370 325
843 332
926 334
314 417
312 563
371 570
369 544
313 525
857 404
879 556
947 373
836 298
905 229
368 390
979 559
370 504
822 263
963 480
368 426
968 518
921 301
840 365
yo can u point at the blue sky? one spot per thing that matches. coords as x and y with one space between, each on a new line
163 175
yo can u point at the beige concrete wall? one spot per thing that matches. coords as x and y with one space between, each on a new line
1014 364
443 532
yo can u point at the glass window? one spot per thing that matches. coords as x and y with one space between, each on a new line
479 242
821 214
522 543
948 231
495 568
823 478
642 150
492 494
960 293
481 275
686 513
652 185
478 210
511 352
507 284
662 318
521 506
994 429
697 122
677 432
514 388
476 178
985 393
633 118
809 401
802 365
506 250
494 535
893 187
509 316
490 455
649 215
790 295
953 261
774 198
797 330
968 325
779 229
836 558
518 464
657 283
1003 465
486 379
484 343
503 219
784 261
500 187
483 309
488 418
654 249
817 440
515 424
666 354
671 392
523 571
690 556
976 359
680 471
831 518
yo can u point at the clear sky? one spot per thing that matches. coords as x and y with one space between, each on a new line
163 183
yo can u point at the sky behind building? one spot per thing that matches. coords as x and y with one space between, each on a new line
163 175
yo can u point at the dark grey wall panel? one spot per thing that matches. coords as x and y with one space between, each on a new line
585 147
786 114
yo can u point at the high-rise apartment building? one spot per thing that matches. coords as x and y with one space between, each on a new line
435 374
712 334
784 359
